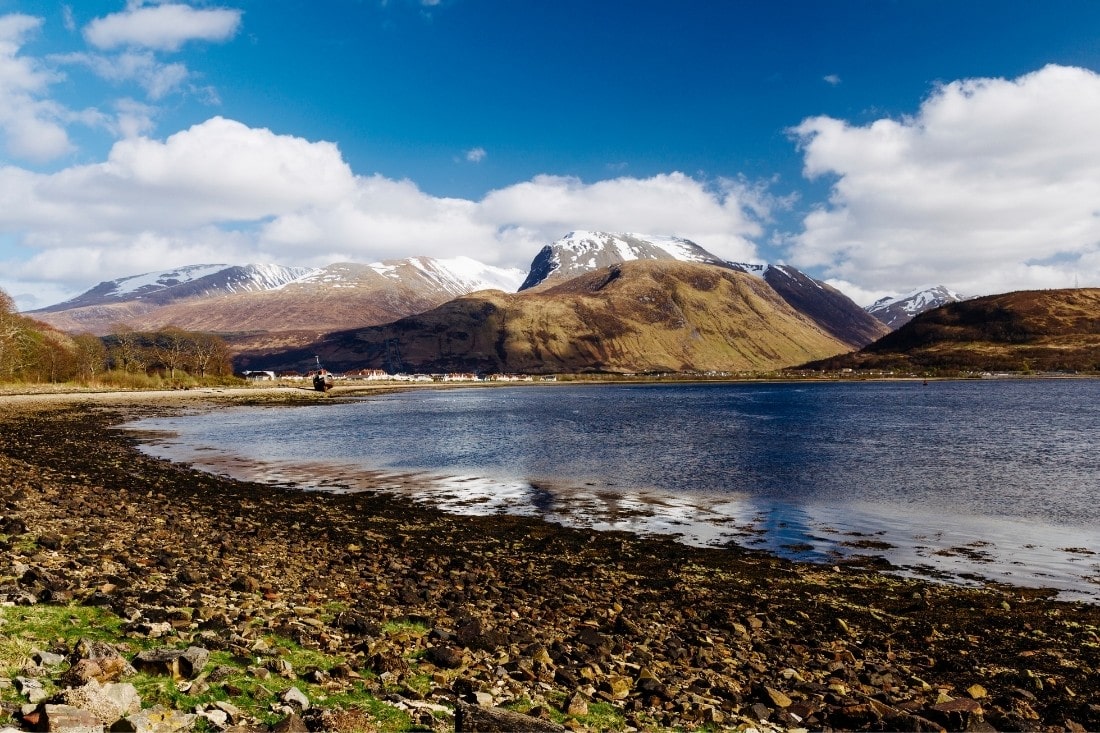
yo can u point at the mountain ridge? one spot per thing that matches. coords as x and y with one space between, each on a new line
635 316
1022 331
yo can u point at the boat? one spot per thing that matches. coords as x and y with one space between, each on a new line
322 378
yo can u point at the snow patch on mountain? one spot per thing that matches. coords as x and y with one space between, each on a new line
583 251
896 311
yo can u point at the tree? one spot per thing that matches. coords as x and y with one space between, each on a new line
209 356
90 356
171 347
126 350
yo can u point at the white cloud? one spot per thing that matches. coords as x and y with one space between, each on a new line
31 124
221 191
475 155
157 78
993 185
831 79
162 27
717 218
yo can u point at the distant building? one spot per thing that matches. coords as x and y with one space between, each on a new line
259 376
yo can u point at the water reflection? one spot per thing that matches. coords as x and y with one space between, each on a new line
962 480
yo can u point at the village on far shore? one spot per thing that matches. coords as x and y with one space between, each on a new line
380 375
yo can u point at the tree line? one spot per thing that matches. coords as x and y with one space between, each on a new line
31 351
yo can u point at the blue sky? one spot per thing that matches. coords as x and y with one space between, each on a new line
879 145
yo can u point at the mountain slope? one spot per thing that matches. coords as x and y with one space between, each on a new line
895 312
1022 331
310 303
829 308
638 316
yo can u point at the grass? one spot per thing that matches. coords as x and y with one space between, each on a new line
23 630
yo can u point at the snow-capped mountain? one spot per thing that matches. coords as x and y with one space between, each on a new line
579 252
454 276
161 288
896 311
582 252
274 298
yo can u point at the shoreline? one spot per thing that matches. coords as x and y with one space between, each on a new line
719 631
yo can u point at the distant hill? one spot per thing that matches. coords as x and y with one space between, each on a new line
1037 330
298 304
636 316
895 312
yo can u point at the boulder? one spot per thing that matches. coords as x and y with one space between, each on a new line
499 720
157 719
107 702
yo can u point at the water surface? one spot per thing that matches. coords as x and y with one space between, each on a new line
991 479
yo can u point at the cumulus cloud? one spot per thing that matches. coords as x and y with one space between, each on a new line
832 80
475 155
222 191
994 184
30 122
162 27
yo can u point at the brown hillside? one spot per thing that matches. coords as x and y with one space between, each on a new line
1035 330
639 316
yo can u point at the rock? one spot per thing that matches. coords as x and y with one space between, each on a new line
47 659
498 720
977 692
576 705
66 719
112 665
217 718
956 714
777 698
292 723
444 656
107 702
295 697
174 663
31 689
156 719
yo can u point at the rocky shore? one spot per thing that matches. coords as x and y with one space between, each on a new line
232 606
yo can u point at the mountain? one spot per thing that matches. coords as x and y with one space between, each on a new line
161 288
1044 330
635 316
582 252
896 311
579 252
829 308
300 303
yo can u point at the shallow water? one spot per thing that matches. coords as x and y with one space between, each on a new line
956 480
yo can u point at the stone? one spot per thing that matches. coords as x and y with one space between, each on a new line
956 714
107 702
47 659
217 718
174 663
156 719
444 656
777 698
292 723
67 719
576 705
498 720
296 698
31 689
977 692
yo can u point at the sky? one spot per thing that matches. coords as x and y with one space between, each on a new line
879 145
